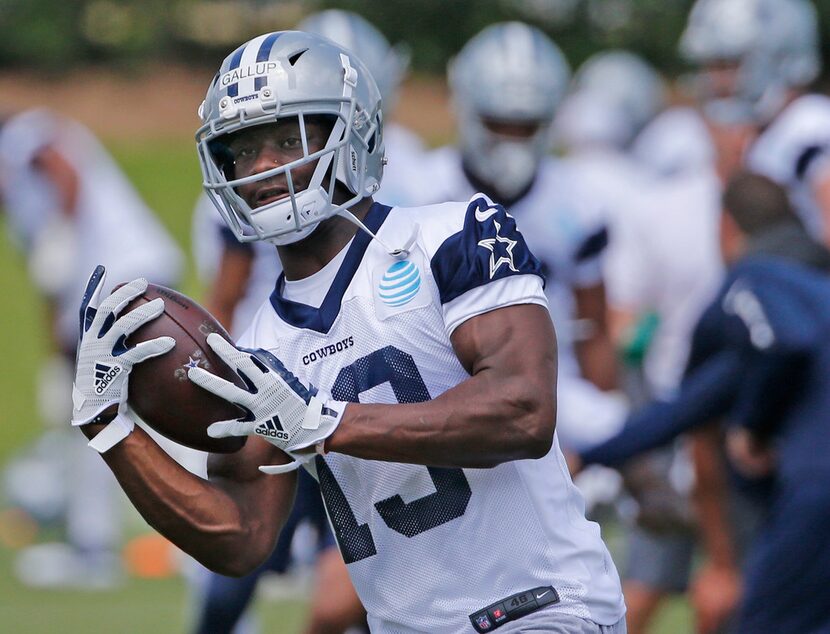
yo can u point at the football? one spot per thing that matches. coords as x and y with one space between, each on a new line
159 390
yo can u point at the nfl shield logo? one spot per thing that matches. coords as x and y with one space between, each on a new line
483 622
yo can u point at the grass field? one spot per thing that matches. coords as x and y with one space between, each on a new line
167 175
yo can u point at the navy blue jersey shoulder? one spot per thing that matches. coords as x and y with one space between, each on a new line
488 247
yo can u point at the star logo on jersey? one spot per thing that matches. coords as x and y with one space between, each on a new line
501 251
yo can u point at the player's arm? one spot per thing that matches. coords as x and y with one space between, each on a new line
717 586
230 522
491 297
64 177
505 411
593 344
706 393
231 280
821 191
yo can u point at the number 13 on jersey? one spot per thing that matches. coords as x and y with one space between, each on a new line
452 490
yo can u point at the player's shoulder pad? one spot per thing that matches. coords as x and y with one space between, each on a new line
473 244
805 126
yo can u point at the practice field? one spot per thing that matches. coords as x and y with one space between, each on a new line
167 175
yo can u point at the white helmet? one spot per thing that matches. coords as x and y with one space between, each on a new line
296 75
625 83
386 63
773 42
509 72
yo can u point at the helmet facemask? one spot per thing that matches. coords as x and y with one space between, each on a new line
506 162
295 215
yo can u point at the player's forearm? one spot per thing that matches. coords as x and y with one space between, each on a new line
704 395
710 497
598 361
195 514
481 422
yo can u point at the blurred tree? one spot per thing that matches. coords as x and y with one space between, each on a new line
53 33
40 32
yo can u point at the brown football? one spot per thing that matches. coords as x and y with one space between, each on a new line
159 390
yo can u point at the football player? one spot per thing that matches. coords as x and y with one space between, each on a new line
505 108
421 389
246 275
661 267
67 201
766 328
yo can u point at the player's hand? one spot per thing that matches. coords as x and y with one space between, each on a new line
715 593
104 361
280 408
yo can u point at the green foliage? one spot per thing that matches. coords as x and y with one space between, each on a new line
39 32
49 34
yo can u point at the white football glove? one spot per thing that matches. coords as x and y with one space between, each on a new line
281 409
104 361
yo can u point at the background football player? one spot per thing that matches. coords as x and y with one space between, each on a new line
70 206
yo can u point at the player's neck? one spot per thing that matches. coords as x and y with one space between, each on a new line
306 257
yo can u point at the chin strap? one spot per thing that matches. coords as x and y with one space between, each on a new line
400 253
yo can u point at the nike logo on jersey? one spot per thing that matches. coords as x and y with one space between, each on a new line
104 375
541 594
272 428
484 214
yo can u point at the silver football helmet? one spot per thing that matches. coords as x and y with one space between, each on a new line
624 82
774 44
301 77
387 64
510 72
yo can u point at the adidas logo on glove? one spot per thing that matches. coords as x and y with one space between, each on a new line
104 374
272 428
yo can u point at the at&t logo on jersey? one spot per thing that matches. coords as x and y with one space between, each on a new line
400 284
104 375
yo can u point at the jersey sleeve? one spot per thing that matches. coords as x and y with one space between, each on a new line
485 264
797 146
762 319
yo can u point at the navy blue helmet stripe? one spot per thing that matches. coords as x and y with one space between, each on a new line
263 55
233 89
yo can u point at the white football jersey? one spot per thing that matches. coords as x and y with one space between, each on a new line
666 259
675 141
430 549
793 151
565 226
